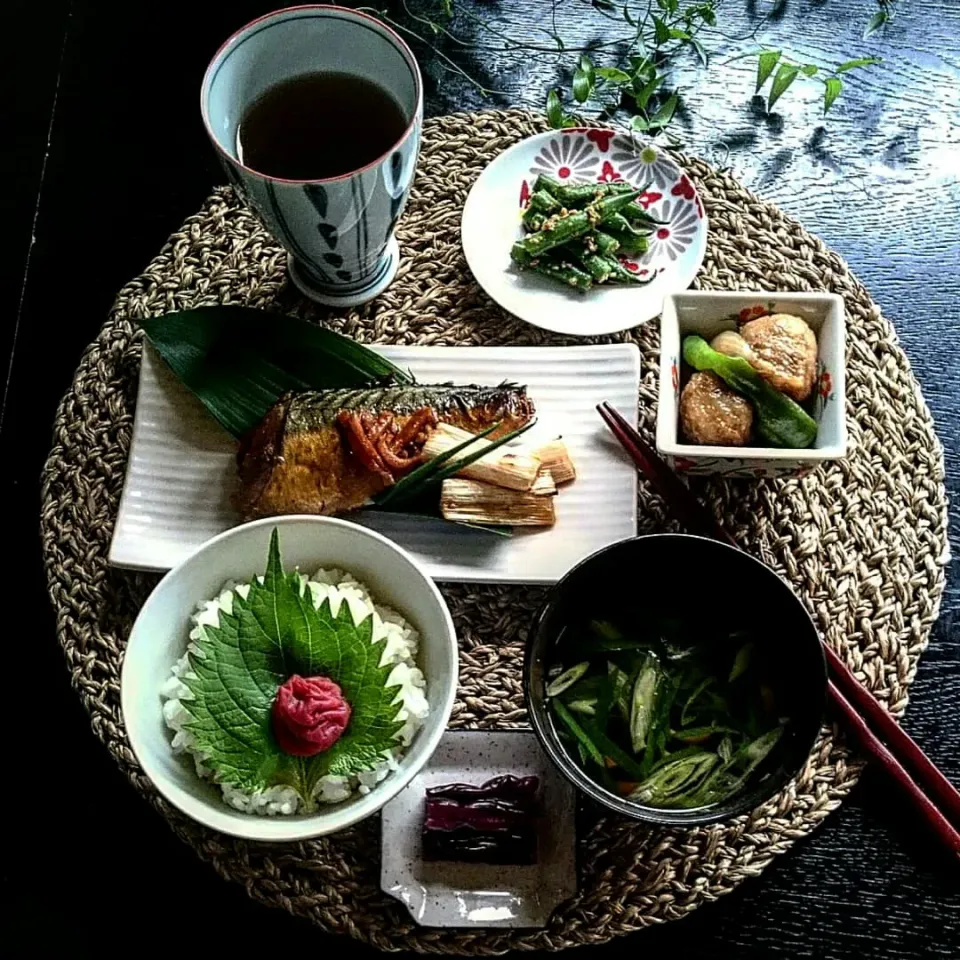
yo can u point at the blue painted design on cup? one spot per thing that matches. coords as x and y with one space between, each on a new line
354 215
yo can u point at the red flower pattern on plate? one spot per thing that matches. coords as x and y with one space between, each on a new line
683 463
675 377
826 385
684 188
566 157
675 236
524 193
601 138
608 174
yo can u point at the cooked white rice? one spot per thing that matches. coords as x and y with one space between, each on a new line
400 650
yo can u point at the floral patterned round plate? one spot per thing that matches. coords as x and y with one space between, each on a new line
491 223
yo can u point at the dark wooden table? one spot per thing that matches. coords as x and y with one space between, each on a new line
104 155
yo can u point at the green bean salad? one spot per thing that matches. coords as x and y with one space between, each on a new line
577 231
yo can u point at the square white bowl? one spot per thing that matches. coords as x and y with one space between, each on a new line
707 313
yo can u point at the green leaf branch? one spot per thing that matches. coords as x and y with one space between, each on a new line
785 72
626 78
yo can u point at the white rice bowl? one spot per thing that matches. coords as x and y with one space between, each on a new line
402 640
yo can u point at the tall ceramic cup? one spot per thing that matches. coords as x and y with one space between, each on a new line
339 231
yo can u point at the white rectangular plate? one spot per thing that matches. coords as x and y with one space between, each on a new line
181 472
481 895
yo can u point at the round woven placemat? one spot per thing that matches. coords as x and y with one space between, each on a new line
862 542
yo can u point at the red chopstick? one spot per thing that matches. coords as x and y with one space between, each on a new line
899 746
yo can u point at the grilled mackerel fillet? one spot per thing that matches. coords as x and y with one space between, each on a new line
301 458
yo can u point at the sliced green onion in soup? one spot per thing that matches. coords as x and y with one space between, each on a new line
567 679
675 779
643 703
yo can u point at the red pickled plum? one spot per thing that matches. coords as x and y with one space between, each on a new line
309 715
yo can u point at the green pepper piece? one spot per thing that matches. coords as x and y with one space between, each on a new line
780 421
598 266
547 185
639 217
620 226
628 244
573 195
543 202
564 272
533 220
579 734
519 255
606 244
560 229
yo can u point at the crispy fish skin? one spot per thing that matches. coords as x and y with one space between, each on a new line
297 460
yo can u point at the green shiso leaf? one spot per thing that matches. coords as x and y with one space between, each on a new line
269 636
239 361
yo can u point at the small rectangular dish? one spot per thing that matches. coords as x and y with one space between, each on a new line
707 313
449 894
182 473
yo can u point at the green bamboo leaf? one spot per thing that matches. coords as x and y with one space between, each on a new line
808 69
627 16
701 52
661 32
765 64
859 62
639 123
786 74
647 90
239 361
875 23
613 75
831 90
554 110
665 114
581 85
586 65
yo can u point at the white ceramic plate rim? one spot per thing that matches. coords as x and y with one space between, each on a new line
281 828
624 306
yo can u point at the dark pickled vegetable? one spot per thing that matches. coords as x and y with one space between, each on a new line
493 822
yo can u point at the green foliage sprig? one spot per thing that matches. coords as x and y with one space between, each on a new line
787 71
627 79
